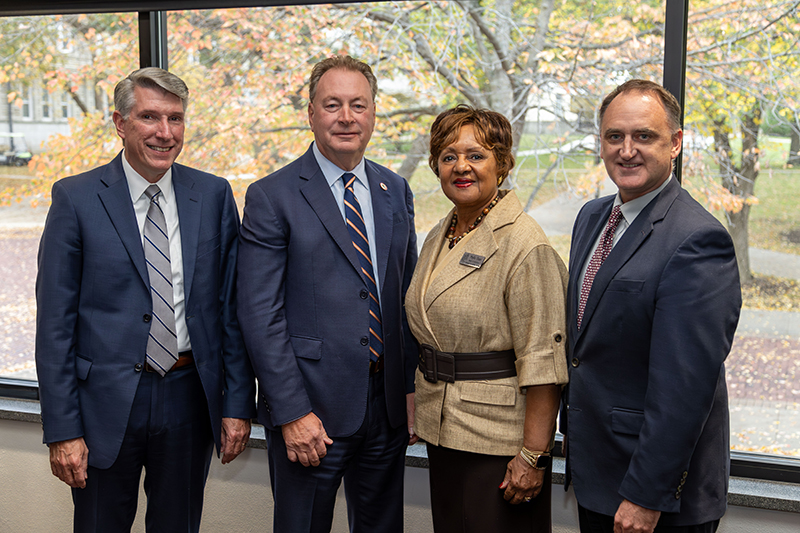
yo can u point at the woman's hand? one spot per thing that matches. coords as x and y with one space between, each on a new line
522 482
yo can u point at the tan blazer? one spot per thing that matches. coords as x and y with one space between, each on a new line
515 299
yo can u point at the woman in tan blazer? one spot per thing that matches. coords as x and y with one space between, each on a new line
486 304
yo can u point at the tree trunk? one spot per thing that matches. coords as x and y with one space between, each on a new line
418 151
740 182
794 149
738 226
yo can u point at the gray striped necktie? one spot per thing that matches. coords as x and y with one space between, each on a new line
162 345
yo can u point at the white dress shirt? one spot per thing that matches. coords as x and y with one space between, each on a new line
141 203
333 175
629 210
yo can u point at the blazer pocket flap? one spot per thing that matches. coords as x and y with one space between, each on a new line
626 285
487 393
626 421
82 367
306 347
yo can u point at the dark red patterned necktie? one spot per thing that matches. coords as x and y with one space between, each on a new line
599 255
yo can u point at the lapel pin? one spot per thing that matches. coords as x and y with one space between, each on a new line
384 187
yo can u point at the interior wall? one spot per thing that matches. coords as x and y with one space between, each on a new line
238 497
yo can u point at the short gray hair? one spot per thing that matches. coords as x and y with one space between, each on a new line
148 78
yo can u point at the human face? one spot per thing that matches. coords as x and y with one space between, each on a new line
637 143
342 116
153 133
468 173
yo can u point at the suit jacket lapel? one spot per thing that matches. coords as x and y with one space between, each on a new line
481 243
428 259
585 237
318 194
382 215
190 204
116 199
633 238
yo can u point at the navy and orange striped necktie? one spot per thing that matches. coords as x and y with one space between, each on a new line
358 233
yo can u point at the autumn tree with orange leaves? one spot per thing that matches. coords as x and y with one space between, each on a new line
247 71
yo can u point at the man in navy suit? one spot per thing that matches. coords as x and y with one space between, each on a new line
109 405
646 410
321 309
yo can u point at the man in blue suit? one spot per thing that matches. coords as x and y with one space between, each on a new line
653 304
327 252
138 350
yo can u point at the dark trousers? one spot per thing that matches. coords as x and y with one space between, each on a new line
372 463
592 522
465 495
169 435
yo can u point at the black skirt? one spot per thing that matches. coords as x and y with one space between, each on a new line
465 495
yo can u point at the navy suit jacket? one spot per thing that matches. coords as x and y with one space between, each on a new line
304 307
646 409
93 305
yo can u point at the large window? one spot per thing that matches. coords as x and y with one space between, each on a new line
742 116
546 69
61 56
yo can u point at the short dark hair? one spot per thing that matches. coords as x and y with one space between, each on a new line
345 63
492 130
670 103
149 78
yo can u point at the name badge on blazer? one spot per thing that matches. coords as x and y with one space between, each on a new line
472 260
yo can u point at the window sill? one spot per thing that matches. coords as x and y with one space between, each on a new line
744 492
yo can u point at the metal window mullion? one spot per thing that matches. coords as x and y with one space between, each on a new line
153 50
675 33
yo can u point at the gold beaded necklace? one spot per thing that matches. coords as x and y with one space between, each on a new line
451 232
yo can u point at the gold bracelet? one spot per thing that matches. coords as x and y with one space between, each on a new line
526 458
532 457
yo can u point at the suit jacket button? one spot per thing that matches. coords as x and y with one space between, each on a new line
575 362
138 367
147 317
364 341
678 495
557 338
364 294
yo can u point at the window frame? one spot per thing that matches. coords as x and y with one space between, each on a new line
153 52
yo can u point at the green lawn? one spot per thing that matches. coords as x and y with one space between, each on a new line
775 220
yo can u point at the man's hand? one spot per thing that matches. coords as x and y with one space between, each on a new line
522 482
69 460
306 440
235 434
632 518
413 438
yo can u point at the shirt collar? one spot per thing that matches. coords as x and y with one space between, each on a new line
333 173
630 210
137 184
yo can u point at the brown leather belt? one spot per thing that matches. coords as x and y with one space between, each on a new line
452 367
375 366
184 359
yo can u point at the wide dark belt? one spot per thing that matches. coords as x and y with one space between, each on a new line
452 367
